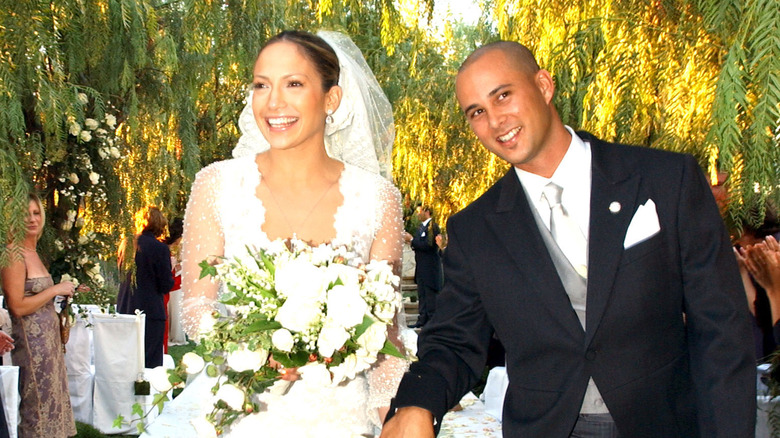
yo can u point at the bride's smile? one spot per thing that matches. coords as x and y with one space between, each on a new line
290 101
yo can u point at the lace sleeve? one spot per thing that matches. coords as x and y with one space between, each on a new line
203 238
384 377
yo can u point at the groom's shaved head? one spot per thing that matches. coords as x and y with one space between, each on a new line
516 53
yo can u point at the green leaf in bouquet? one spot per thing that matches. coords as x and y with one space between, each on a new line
391 350
261 324
159 401
211 370
140 427
363 326
218 360
207 269
267 263
137 410
292 360
229 297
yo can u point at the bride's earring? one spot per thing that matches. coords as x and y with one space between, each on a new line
329 119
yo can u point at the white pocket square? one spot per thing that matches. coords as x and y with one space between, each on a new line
643 226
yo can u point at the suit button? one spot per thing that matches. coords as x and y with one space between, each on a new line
590 354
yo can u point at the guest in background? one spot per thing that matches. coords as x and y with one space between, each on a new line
145 286
427 272
45 409
750 251
175 328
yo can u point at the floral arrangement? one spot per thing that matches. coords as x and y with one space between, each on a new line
84 178
318 309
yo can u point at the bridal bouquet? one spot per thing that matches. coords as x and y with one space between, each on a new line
318 309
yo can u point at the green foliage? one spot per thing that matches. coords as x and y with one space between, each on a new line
699 77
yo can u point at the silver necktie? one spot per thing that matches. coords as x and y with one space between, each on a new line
565 231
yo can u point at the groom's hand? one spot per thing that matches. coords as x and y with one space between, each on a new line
409 422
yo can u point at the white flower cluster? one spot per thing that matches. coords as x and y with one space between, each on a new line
319 307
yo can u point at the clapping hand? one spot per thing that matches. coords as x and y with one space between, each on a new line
762 260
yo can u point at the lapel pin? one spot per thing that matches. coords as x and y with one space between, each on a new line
614 207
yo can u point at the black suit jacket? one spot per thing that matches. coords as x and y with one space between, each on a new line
427 270
153 279
668 335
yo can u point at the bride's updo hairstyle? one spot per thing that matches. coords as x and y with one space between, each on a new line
316 50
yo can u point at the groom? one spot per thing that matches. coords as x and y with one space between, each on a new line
604 270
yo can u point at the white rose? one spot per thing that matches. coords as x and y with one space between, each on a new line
67 277
91 124
85 136
345 305
244 359
384 311
332 337
315 373
373 339
232 395
158 377
74 179
206 324
103 152
83 98
101 132
94 271
58 243
350 276
66 226
347 369
114 151
74 129
94 177
301 280
83 260
83 240
203 428
193 363
298 314
110 121
99 280
283 340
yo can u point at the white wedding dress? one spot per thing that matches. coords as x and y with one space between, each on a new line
223 217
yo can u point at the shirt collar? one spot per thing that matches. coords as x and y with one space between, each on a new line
574 165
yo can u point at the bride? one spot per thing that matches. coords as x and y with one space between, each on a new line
312 164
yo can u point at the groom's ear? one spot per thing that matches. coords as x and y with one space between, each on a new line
333 98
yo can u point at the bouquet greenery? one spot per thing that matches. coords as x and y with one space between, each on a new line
319 309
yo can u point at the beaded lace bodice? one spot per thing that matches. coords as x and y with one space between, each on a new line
224 216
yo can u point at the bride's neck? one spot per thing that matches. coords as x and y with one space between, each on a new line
297 167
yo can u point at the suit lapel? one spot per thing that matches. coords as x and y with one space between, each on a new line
516 229
613 187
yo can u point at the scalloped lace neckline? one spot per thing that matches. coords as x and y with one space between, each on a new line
338 216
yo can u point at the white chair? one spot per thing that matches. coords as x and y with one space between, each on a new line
81 373
495 389
119 358
9 380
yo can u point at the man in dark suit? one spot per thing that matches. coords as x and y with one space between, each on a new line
427 269
634 325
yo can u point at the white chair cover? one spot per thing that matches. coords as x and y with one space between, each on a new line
81 374
9 379
119 357
495 388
